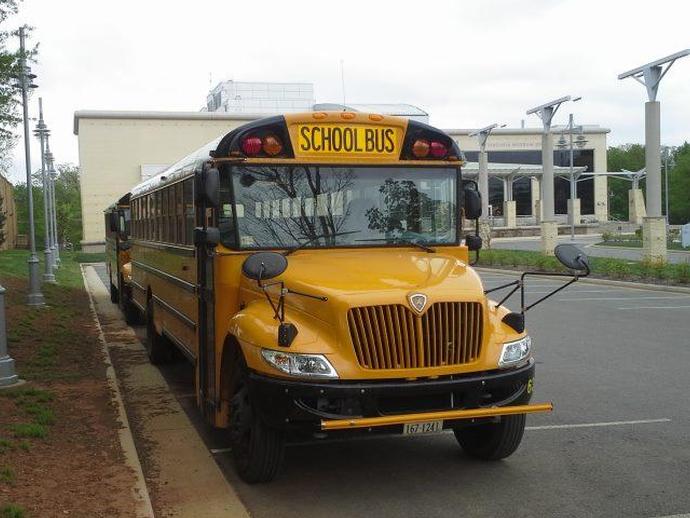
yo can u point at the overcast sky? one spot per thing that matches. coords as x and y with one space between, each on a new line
467 63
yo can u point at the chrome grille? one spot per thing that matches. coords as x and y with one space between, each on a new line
394 337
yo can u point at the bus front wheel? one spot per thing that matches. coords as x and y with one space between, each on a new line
257 449
156 347
492 441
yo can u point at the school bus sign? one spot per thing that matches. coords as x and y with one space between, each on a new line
352 139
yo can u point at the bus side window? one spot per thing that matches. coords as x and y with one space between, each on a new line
188 197
179 214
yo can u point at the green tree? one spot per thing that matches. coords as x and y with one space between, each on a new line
631 158
68 204
3 219
679 186
8 67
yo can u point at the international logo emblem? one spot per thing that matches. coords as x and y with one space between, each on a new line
417 301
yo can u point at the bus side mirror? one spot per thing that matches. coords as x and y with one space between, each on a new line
473 204
209 236
473 243
208 191
261 266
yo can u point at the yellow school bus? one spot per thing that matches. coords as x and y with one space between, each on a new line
117 257
315 271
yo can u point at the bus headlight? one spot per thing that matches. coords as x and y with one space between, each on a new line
516 352
297 364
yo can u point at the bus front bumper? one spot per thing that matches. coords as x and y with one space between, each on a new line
388 405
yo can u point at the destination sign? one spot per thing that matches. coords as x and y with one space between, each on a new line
339 139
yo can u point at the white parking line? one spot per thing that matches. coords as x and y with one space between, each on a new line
657 307
597 425
589 299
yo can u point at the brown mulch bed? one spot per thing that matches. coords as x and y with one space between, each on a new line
77 468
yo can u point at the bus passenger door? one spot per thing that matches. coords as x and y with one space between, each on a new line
206 207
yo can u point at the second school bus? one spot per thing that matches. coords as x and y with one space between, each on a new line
314 269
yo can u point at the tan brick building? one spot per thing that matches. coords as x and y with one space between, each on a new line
9 208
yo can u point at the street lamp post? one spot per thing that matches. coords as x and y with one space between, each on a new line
654 226
42 132
35 297
549 228
483 174
53 220
573 181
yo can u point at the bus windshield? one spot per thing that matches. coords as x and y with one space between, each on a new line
338 206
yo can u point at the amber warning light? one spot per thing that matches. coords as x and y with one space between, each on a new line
253 145
422 148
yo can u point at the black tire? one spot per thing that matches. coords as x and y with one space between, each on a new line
257 449
128 308
113 294
492 441
158 349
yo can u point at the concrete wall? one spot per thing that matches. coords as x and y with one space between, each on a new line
116 147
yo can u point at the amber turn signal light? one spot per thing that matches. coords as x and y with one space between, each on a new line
272 145
421 148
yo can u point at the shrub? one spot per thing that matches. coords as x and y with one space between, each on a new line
11 511
683 273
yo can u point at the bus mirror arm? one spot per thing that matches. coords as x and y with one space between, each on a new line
570 257
286 331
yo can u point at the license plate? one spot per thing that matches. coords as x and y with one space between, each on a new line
336 139
420 428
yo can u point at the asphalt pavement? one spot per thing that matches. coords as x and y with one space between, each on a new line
613 360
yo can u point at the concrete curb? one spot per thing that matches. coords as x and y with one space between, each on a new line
142 499
605 282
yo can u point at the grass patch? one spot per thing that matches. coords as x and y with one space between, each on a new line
5 445
83 257
637 243
12 511
6 475
29 430
602 267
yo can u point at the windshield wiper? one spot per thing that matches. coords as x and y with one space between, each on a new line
404 241
321 236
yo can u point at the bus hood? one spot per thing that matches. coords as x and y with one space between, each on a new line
375 276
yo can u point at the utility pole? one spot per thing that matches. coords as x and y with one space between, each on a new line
35 297
53 220
654 226
8 377
42 132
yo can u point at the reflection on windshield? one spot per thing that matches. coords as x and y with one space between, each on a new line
285 206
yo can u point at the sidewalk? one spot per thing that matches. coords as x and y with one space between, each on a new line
183 478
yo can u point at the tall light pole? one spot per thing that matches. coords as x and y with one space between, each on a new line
53 220
35 297
42 132
549 228
483 174
654 226
573 183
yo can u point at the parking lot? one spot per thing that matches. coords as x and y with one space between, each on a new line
614 362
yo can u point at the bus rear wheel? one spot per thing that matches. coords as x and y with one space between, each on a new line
492 441
158 350
131 312
257 449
